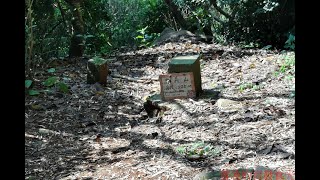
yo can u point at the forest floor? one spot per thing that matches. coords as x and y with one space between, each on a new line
247 114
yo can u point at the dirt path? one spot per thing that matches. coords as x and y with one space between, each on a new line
103 133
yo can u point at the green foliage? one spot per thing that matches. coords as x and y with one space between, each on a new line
29 42
48 31
244 86
286 63
249 23
51 81
54 81
31 178
200 19
250 45
63 87
197 148
290 43
252 23
51 70
127 27
111 24
98 60
181 150
289 77
33 92
256 87
286 68
267 47
156 16
96 15
144 39
198 15
141 36
27 83
293 92
264 22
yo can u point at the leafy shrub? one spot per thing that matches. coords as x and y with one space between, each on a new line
28 84
265 22
197 148
144 39
50 82
251 23
290 43
252 86
110 24
286 63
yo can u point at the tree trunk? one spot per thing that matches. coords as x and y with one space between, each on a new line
215 5
177 14
29 39
76 48
63 15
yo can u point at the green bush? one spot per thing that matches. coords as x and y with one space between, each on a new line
252 23
265 22
290 43
198 148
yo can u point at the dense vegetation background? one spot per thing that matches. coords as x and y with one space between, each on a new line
61 28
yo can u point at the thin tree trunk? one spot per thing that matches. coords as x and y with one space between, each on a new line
177 14
76 48
215 5
30 42
63 15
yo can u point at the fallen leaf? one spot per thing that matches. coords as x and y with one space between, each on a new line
252 66
36 107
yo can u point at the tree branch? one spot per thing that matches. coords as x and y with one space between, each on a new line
217 19
215 5
54 27
176 13
63 16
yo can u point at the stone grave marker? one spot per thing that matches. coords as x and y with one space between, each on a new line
177 86
97 71
183 64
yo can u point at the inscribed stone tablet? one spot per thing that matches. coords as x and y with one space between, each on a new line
177 86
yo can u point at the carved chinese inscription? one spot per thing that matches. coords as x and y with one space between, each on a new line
177 86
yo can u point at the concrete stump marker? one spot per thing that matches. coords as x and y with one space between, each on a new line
183 64
177 85
97 71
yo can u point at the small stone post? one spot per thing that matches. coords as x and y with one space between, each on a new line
97 71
